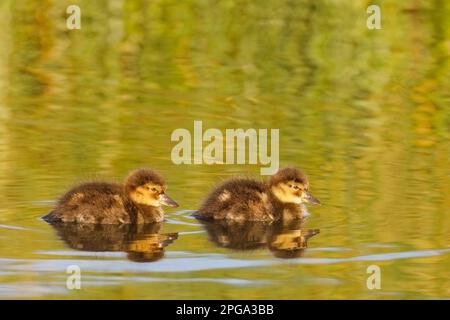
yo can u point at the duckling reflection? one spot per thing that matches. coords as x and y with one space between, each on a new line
142 243
284 240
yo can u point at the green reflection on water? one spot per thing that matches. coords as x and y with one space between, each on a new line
365 113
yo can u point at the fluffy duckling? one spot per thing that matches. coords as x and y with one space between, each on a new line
283 197
138 200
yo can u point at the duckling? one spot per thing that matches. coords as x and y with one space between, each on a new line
138 200
282 197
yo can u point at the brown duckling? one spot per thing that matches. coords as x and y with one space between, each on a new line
137 200
282 197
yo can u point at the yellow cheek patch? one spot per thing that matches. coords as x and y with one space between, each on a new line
141 197
286 194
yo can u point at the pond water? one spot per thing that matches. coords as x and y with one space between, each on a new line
365 113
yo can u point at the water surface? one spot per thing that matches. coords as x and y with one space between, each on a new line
365 113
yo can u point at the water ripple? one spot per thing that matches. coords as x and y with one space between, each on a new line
194 262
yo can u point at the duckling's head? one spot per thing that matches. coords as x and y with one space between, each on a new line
147 187
290 185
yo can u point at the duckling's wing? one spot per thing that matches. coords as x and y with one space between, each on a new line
94 202
237 199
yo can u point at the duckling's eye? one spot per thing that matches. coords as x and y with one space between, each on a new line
295 187
154 189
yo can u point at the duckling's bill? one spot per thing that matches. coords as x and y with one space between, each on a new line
309 198
167 201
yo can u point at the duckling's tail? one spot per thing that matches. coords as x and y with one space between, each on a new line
50 217
199 215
